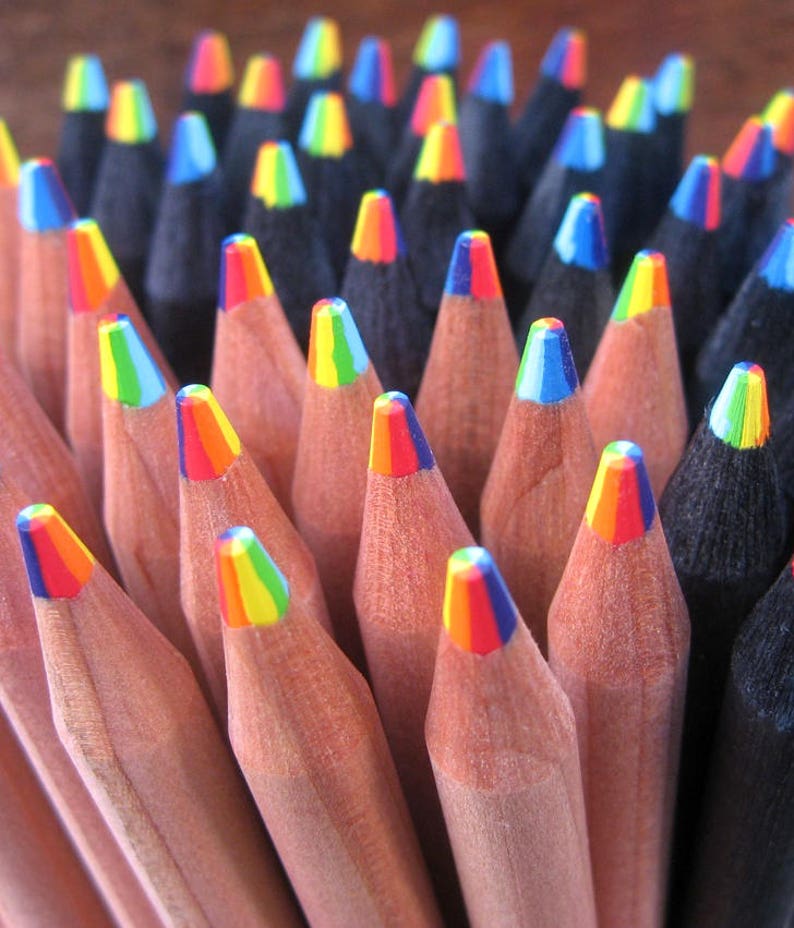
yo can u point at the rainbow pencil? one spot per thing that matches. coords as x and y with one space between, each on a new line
317 66
208 83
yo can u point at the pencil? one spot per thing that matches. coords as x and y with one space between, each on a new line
410 527
331 461
542 470
208 83
673 95
220 486
132 718
317 67
469 376
633 387
779 113
258 370
437 51
42 288
619 644
307 736
9 240
509 779
371 103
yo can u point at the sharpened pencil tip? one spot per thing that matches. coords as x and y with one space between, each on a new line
674 85
58 564
492 77
44 204
547 373
740 414
438 45
243 275
93 272
632 109
751 155
776 266
372 77
130 119
441 158
210 69
277 179
192 154
377 235
697 197
325 132
565 60
479 614
435 102
779 113
9 158
337 355
581 239
85 89
581 143
398 446
621 505
129 374
645 288
319 54
472 269
251 588
208 445
262 87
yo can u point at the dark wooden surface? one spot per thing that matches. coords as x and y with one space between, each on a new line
744 49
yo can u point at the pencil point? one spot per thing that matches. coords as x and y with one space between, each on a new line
319 54
492 77
325 132
398 446
779 113
740 414
262 87
565 60
277 179
438 46
441 158
192 154
632 109
244 276
85 89
58 564
129 374
435 102
210 69
581 143
581 238
9 158
208 445
479 614
697 196
337 355
44 204
645 287
777 263
751 155
372 77
547 373
674 85
93 272
377 235
251 589
472 269
621 505
130 119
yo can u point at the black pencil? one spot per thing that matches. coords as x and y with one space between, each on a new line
317 67
208 83
437 51
371 103
779 113
673 92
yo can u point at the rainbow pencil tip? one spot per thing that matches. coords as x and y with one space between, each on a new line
435 102
337 356
740 414
492 77
58 564
44 204
479 614
776 266
192 155
472 268
243 276
129 374
441 158
9 158
325 132
372 77
632 109
277 179
85 88
398 446
565 60
251 589
262 87
210 69
779 113
697 197
674 85
377 234
130 119
581 239
438 45
581 143
621 505
547 373
93 272
208 445
319 54
751 155
646 286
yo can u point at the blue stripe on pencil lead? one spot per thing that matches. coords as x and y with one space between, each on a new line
44 204
697 197
492 77
581 143
372 77
776 266
581 239
751 155
673 85
192 154
547 373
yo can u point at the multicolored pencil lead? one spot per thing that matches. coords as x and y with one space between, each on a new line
129 374
740 414
777 263
472 269
645 287
130 119
674 85
438 45
192 154
337 355
58 564
632 109
262 86
581 144
565 60
377 235
697 197
244 275
251 589
751 155
208 445
277 178
547 373
93 271
581 239
319 54
9 158
441 158
372 77
210 69
779 113
492 77
399 447
85 88
325 132
434 103
44 204
621 505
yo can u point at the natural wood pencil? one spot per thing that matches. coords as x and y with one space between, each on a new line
306 733
132 718
9 239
